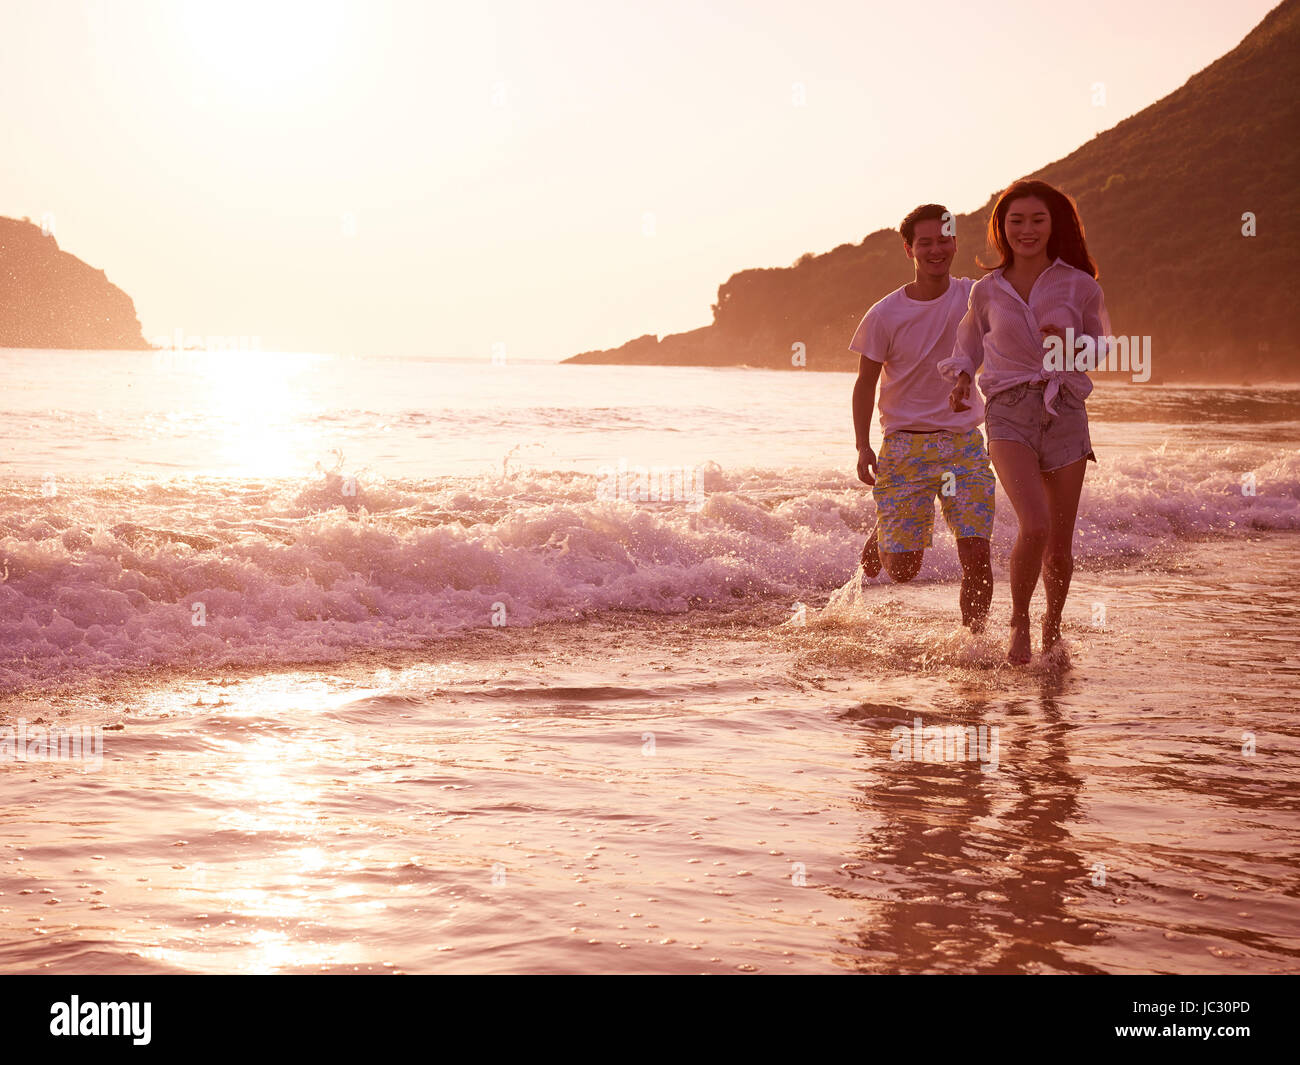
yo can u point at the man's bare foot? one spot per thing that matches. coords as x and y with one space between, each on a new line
1019 653
871 555
976 623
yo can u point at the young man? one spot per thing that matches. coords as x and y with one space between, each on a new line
928 449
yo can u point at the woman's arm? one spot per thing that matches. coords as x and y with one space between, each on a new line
968 351
1096 323
967 355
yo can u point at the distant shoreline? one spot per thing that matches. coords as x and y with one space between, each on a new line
1106 380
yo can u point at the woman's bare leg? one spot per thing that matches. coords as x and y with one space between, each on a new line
1063 488
1017 468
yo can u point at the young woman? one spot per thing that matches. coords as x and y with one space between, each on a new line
1035 419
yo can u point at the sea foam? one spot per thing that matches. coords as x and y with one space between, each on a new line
212 573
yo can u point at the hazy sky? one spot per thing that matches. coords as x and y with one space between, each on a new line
404 177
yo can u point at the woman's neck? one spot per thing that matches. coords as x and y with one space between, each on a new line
1028 267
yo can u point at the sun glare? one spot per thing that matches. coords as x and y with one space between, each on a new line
259 407
264 46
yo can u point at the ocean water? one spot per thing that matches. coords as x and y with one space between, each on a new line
386 664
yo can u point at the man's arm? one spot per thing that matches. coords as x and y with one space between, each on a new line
864 405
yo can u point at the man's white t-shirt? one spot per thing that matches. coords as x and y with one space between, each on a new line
910 338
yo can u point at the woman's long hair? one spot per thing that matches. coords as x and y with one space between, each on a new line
1066 242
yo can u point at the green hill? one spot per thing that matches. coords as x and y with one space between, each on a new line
1162 197
50 299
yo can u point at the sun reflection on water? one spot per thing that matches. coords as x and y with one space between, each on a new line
259 410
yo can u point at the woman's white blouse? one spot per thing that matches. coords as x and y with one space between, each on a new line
1001 332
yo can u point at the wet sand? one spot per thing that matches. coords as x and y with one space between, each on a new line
703 792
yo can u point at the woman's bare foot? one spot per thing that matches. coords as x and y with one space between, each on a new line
1019 653
871 555
1056 657
1051 633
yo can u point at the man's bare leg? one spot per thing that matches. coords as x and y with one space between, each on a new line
976 581
871 555
902 566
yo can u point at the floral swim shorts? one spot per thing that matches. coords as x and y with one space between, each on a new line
913 469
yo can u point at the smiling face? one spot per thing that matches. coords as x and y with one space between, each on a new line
932 249
1028 224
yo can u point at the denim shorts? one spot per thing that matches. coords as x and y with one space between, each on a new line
1058 440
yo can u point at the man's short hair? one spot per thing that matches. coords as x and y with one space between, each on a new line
924 213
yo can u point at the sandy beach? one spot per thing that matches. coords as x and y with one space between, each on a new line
747 767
